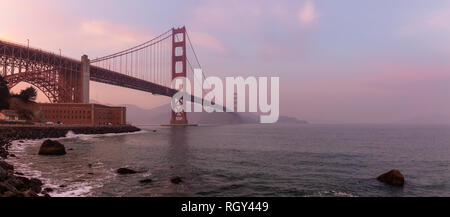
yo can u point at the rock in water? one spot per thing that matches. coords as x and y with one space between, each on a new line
124 171
176 180
145 181
48 190
50 147
36 185
393 177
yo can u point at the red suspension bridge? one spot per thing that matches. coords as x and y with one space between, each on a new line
149 67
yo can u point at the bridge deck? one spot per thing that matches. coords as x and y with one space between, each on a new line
17 59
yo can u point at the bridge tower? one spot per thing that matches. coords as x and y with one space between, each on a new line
85 76
178 70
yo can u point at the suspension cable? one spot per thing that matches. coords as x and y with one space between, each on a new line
131 49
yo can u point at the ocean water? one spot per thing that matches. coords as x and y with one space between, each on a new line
247 160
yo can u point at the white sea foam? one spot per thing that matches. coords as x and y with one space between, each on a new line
82 189
335 194
72 135
72 189
146 174
18 146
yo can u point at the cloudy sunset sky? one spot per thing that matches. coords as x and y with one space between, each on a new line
338 61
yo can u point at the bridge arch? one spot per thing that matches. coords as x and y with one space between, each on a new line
50 88
58 77
41 87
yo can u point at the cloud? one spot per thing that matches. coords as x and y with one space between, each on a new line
308 13
226 14
208 41
434 21
238 16
256 28
439 19
430 29
108 35
52 25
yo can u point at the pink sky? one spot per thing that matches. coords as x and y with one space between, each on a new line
343 61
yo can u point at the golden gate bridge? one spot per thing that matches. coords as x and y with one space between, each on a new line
149 67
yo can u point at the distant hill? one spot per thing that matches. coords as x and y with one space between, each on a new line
291 120
439 119
161 114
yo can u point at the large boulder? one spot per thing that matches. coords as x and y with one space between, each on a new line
393 177
6 187
3 153
29 193
24 184
20 183
50 147
36 185
6 166
3 174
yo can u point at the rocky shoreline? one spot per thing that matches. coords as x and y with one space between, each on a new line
13 184
16 132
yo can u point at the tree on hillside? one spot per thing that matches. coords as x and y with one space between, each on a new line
28 94
4 94
25 114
